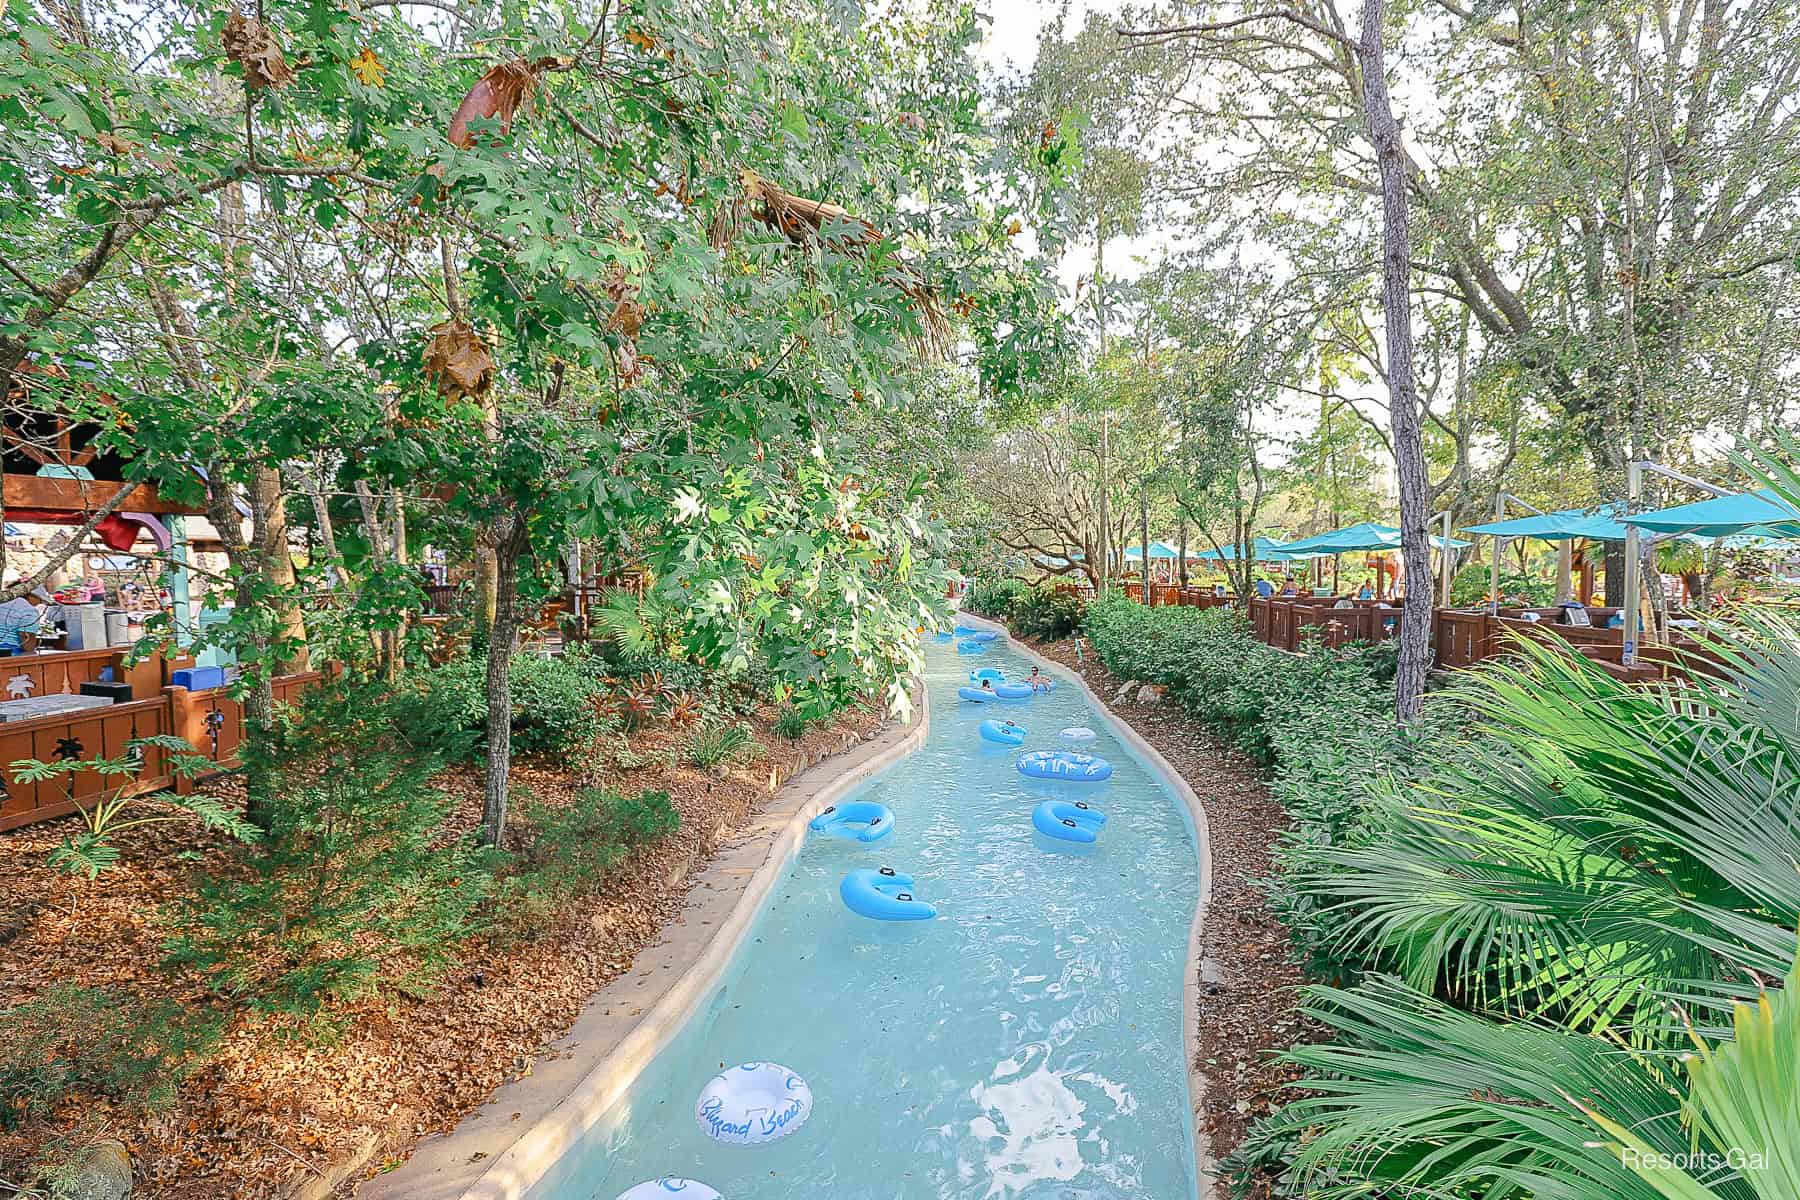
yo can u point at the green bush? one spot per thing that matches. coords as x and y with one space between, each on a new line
1047 613
355 888
99 1040
555 701
1320 721
1600 883
1470 587
1029 611
995 597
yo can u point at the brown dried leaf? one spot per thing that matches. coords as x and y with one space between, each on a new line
252 46
628 314
458 361
498 94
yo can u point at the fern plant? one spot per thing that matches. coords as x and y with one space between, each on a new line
126 802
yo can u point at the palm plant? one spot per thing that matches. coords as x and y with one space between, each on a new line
1600 844
1605 878
1741 1096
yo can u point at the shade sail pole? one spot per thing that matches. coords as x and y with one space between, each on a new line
1494 565
1634 484
1444 562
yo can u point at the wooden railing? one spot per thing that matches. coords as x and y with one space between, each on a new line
210 720
445 599
88 733
62 672
1459 637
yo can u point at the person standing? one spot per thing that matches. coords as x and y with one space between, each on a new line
20 619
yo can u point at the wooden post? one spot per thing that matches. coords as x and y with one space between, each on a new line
186 721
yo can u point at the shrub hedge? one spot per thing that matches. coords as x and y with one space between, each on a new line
1321 722
555 701
1030 611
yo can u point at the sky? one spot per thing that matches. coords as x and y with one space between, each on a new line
1012 37
1010 49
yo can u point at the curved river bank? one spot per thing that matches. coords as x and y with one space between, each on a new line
1027 1044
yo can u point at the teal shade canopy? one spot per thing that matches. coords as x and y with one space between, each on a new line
1760 512
1566 525
1267 550
1366 536
1158 550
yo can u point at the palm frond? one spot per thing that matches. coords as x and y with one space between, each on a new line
1419 1099
1741 1097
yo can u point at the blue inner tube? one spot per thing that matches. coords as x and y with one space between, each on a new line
945 636
983 635
976 694
971 647
993 673
1012 691
1004 732
1065 764
859 821
1069 822
966 630
883 895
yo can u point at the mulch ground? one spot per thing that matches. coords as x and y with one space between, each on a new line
1249 992
270 1114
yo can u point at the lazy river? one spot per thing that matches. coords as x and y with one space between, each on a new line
1026 1044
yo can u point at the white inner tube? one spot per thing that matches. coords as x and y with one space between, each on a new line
667 1186
752 1104
1078 733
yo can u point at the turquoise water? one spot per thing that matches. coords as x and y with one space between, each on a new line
1025 1045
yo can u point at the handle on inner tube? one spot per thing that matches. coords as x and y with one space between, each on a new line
888 871
1068 822
907 896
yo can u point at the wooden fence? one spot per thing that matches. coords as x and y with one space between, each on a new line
1459 637
209 720
88 733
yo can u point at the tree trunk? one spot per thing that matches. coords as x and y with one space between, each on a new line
1409 442
269 549
505 626
1615 574
1105 419
1144 537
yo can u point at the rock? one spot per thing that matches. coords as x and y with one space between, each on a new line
100 1172
1150 693
1124 691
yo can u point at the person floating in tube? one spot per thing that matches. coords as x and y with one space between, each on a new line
987 685
1039 681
